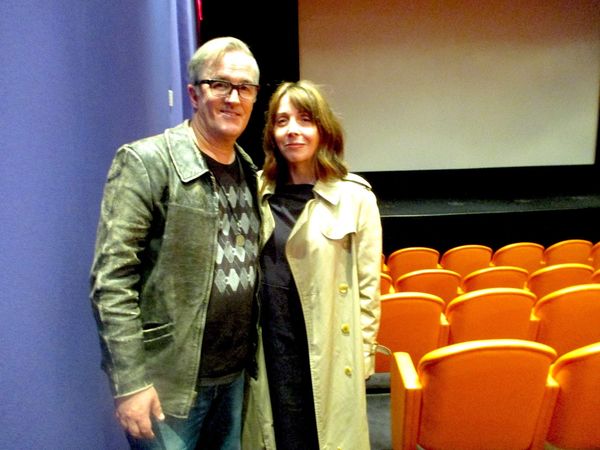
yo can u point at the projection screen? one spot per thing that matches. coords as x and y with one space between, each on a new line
426 85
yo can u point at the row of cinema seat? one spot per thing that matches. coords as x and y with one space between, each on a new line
417 322
469 267
448 284
514 365
496 394
466 258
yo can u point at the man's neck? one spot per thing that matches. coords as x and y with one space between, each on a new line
222 151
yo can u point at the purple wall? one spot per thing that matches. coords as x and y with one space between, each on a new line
77 79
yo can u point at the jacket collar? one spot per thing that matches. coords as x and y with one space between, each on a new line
327 190
189 163
330 190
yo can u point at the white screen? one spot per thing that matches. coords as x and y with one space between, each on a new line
425 85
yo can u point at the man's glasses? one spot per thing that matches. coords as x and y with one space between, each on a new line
223 88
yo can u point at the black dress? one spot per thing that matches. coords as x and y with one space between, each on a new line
284 331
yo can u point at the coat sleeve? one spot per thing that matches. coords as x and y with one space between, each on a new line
125 218
368 253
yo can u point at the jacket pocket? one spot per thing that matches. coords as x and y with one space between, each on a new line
340 234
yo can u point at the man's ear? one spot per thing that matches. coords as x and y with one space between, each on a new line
193 94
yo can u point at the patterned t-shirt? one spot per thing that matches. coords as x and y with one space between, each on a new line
227 336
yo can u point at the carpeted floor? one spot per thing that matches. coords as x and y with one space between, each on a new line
378 411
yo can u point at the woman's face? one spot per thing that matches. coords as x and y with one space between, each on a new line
296 135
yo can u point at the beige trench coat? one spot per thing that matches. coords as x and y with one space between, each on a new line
334 252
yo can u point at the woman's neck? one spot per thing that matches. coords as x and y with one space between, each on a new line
297 175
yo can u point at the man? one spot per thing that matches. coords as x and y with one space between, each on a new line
174 272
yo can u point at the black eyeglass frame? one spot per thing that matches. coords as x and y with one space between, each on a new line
231 86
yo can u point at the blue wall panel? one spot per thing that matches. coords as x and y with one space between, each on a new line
77 79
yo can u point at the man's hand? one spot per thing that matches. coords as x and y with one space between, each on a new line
133 412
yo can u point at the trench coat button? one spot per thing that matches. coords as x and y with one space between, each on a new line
343 288
348 371
345 328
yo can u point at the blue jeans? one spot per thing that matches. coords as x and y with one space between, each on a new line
214 422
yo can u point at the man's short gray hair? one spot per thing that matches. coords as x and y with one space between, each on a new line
211 52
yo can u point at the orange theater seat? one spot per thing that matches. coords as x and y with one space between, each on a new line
569 251
411 322
595 256
494 313
441 282
551 278
527 255
407 259
385 284
569 318
575 417
495 276
490 394
384 268
464 259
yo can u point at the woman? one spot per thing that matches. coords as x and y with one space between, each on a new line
321 252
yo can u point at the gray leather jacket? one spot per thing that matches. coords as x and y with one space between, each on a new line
152 272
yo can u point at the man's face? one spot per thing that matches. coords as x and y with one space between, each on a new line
223 119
